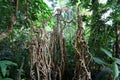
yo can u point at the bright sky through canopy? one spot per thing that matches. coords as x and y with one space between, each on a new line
49 3
103 1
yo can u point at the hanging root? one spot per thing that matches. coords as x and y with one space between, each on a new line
48 52
57 52
39 63
81 70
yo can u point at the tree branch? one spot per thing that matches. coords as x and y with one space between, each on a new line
12 20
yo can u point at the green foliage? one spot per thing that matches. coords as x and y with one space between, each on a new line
4 65
5 78
115 70
15 47
113 66
107 52
99 61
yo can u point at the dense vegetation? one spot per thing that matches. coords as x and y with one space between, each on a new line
79 40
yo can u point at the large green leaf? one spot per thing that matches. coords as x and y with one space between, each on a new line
117 61
99 61
7 79
108 53
1 0
115 70
10 63
4 64
3 69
